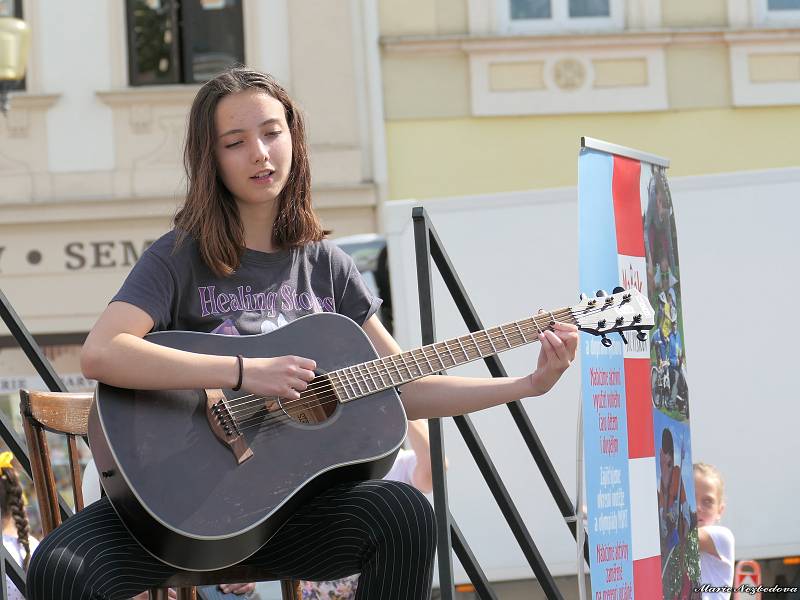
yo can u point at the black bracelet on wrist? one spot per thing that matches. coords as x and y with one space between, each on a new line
240 361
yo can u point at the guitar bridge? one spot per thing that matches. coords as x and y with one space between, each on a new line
224 426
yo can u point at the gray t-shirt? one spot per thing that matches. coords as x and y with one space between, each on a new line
268 290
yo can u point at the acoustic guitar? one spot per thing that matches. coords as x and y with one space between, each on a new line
203 478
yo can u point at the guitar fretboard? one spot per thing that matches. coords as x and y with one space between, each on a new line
390 371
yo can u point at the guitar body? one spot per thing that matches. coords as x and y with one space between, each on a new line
181 491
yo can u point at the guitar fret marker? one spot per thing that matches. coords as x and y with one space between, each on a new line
405 364
425 354
388 371
375 385
375 367
366 379
397 368
414 358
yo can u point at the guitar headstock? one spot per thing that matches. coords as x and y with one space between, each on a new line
625 310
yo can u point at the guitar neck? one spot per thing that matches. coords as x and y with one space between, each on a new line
374 376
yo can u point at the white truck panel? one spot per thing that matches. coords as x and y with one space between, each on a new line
517 252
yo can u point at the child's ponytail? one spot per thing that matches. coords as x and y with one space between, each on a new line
13 501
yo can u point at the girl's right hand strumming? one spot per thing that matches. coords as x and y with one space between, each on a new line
283 376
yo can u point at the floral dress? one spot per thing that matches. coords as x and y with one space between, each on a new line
341 589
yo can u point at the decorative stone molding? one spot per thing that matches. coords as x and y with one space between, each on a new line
574 80
23 146
22 105
741 13
149 125
79 211
569 74
136 208
472 44
765 67
155 94
642 14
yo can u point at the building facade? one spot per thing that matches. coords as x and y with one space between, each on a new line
91 151
485 96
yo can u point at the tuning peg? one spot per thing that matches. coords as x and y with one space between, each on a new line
583 297
618 289
600 293
605 341
641 336
624 341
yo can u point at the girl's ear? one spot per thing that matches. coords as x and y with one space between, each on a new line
722 508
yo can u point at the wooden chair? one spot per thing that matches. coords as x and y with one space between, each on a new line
68 414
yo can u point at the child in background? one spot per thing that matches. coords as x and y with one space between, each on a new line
716 541
16 531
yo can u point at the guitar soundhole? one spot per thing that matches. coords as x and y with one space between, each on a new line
316 404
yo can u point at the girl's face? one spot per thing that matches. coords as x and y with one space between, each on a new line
709 502
253 146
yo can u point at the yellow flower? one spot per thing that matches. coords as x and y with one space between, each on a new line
6 459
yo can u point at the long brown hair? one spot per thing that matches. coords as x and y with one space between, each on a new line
209 214
12 502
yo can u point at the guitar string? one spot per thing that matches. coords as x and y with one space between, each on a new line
358 378
330 398
324 383
255 419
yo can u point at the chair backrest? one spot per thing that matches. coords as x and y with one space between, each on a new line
68 414
62 413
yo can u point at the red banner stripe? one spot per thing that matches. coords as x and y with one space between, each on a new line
647 579
627 206
638 405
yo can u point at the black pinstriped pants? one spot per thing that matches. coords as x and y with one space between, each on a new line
384 530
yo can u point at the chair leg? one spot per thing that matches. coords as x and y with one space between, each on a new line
189 593
290 589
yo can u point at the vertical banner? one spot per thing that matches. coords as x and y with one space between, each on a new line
639 482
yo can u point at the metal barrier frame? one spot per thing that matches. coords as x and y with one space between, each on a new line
8 566
428 246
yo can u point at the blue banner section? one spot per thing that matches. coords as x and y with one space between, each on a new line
605 431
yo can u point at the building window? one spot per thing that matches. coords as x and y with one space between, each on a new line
778 5
530 16
13 8
183 42
780 12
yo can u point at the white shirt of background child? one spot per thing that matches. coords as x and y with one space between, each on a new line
715 571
